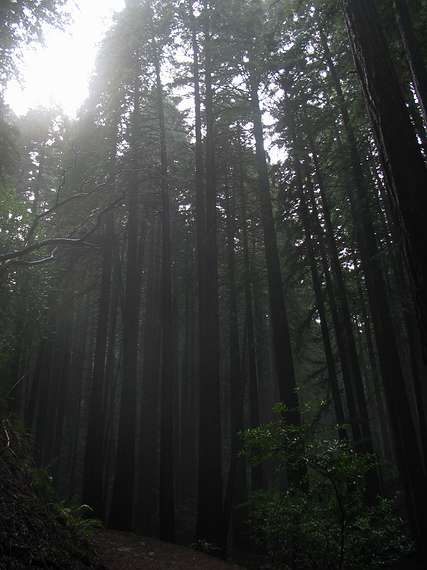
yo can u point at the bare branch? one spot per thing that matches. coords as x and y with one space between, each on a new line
13 257
40 244
58 205
16 384
50 211
50 257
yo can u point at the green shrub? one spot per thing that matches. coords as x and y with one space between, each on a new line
323 522
78 517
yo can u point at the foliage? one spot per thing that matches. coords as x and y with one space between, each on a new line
22 22
325 522
36 529
13 216
78 517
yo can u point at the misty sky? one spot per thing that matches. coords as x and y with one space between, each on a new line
58 73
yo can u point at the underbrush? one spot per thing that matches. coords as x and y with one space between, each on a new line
36 529
325 519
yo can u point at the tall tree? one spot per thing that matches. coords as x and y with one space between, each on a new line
403 163
209 502
280 325
93 491
122 502
168 343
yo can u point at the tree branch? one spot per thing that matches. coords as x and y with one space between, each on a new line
58 205
14 256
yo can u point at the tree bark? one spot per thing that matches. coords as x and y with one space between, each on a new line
122 501
413 54
251 369
209 504
150 395
93 492
168 343
236 487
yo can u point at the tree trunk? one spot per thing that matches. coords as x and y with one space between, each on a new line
121 510
405 436
93 492
209 505
400 152
327 345
150 397
413 54
251 370
236 485
280 327
168 343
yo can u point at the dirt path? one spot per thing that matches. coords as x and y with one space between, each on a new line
124 551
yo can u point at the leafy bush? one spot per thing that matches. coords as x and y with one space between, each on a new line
323 522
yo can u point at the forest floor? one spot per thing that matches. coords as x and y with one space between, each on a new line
118 550
125 551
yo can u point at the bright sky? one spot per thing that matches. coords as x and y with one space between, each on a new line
58 73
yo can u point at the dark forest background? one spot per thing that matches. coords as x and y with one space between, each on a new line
164 280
